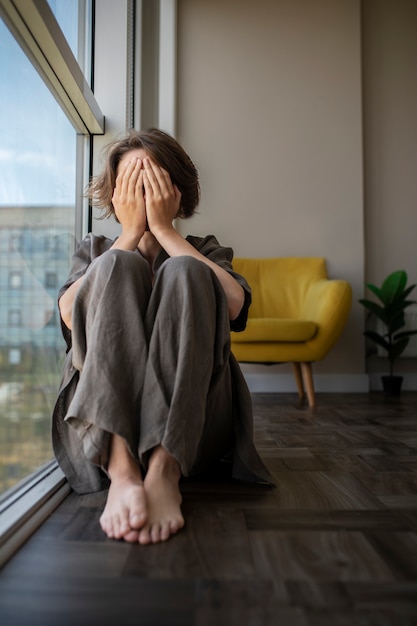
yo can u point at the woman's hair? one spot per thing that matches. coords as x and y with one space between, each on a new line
165 151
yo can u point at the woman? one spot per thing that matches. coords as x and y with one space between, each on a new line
150 390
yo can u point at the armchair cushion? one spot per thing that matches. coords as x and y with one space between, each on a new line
274 329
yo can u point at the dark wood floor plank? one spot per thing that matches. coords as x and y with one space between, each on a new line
388 483
299 519
347 460
397 548
399 502
358 617
318 555
376 594
243 603
51 559
388 463
409 517
320 490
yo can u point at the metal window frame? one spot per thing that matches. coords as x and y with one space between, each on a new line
167 70
24 507
35 28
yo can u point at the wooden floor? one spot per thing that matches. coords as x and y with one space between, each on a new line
335 543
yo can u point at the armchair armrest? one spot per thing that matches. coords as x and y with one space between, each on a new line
328 304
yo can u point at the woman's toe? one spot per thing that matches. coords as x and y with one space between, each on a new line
144 536
156 533
132 536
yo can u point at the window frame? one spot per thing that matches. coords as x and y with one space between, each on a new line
35 28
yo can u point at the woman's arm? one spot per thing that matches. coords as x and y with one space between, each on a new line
162 200
66 301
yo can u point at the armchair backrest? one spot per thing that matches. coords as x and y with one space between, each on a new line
280 285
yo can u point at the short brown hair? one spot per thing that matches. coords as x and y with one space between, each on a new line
165 151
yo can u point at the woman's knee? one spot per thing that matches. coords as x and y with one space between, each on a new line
188 269
116 262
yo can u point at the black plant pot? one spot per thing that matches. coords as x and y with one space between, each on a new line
392 385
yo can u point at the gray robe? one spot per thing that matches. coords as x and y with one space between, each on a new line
149 359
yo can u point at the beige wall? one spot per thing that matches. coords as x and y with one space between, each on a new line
390 115
390 145
269 107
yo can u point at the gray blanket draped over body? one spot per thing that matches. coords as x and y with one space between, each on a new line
150 361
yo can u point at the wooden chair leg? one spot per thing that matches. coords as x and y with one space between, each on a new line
307 373
296 368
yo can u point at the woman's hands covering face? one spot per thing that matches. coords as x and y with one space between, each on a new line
162 198
128 198
144 196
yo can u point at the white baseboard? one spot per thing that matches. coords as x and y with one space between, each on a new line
324 383
330 383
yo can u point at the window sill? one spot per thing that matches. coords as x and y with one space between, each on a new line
24 508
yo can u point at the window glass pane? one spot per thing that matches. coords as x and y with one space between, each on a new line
66 14
74 19
37 234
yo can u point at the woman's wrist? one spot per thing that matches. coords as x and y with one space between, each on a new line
164 233
128 240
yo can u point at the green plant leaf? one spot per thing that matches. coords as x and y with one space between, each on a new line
374 308
397 307
406 333
408 303
375 290
379 339
393 286
397 349
407 292
396 322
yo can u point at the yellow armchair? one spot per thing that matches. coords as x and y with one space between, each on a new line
296 316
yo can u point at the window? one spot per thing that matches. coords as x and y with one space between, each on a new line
15 280
51 280
51 243
43 168
14 356
15 239
14 318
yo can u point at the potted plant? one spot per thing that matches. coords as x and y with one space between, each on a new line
392 296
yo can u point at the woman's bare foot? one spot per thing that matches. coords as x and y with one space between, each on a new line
163 498
125 512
